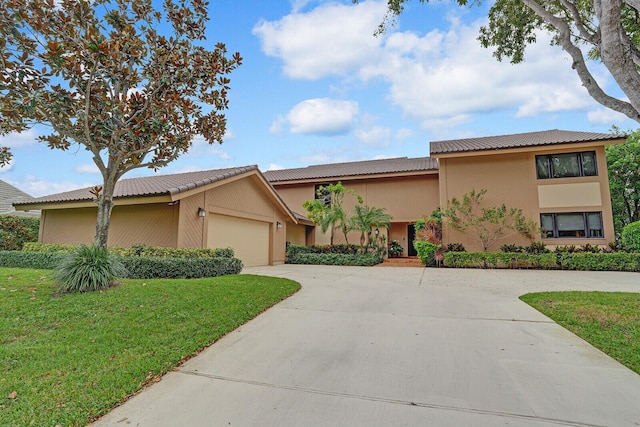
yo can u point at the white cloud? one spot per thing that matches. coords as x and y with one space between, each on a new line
441 78
277 127
41 187
87 168
19 140
330 39
274 167
322 116
377 136
604 116
404 134
7 167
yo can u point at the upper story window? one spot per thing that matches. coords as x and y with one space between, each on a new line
566 165
322 194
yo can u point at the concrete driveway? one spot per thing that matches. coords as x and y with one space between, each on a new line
400 347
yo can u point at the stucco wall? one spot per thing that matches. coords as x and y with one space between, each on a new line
511 179
404 198
152 224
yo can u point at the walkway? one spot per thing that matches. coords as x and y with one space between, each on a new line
400 347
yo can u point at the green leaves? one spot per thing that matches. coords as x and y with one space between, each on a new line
487 224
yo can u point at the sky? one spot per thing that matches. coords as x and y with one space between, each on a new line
316 86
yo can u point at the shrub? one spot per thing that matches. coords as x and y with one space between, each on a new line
15 231
49 247
426 251
90 268
500 260
631 236
139 250
617 261
36 260
360 259
512 248
454 247
537 248
173 268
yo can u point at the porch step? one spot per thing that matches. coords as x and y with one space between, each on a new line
401 262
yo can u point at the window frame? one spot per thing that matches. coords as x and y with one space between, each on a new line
580 157
588 228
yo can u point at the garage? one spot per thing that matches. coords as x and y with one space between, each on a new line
248 238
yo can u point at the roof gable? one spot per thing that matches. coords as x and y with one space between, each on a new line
10 194
159 185
363 168
521 140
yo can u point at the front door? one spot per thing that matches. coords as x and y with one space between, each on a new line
411 236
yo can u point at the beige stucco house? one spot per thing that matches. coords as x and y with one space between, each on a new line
406 187
558 178
233 207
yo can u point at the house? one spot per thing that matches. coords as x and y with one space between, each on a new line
406 187
558 178
10 194
234 207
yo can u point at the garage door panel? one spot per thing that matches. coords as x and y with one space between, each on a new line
249 239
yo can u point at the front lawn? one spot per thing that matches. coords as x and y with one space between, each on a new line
66 360
609 321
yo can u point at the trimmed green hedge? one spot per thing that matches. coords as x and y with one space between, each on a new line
173 268
138 250
138 267
616 261
331 255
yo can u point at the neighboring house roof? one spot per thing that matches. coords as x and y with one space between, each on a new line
521 140
8 195
159 185
398 165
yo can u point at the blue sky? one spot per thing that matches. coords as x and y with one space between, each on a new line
317 87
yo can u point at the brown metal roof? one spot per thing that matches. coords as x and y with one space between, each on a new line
149 186
531 139
368 167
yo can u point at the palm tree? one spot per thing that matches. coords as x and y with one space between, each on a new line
366 218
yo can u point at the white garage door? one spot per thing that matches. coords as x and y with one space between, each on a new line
249 239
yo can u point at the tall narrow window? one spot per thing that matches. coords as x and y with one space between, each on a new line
566 165
323 194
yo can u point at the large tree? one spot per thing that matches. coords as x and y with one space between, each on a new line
604 30
623 163
131 83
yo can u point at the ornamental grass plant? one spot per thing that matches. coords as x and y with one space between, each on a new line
89 268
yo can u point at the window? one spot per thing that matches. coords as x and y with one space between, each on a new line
574 224
323 194
566 165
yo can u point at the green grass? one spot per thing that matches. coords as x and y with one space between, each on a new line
609 321
66 360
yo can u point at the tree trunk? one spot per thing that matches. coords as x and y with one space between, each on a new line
105 205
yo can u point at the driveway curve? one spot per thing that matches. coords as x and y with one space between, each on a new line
389 346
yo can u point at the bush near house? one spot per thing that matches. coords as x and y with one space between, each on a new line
141 262
15 231
586 261
426 251
331 255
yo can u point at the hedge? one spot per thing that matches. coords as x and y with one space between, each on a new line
138 250
334 259
138 267
426 251
294 250
616 261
